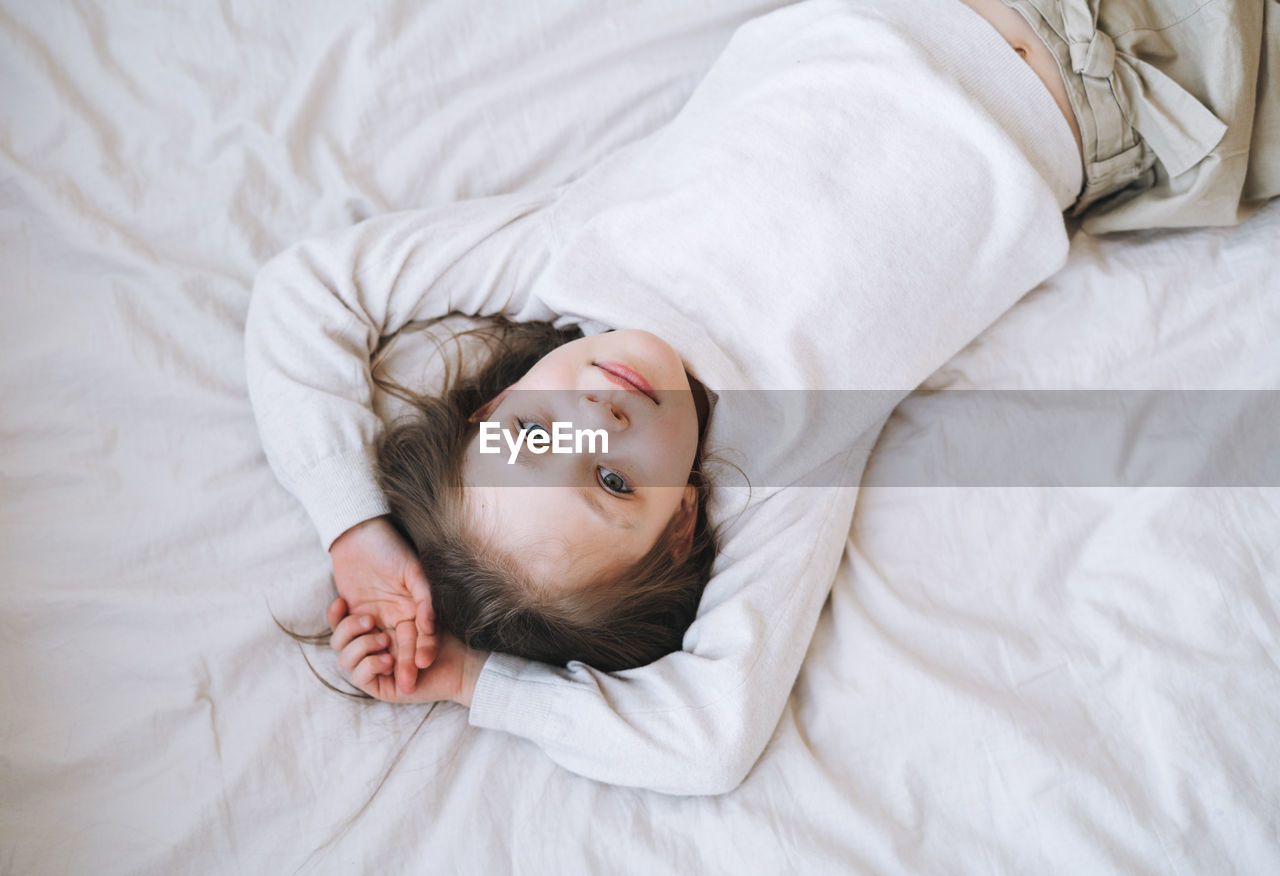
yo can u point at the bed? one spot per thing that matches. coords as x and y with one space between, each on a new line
1009 676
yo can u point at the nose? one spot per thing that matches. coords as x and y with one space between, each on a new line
603 411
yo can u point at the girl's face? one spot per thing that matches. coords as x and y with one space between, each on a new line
568 518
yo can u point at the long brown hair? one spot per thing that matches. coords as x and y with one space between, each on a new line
623 620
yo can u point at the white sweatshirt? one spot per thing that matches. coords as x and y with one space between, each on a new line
855 191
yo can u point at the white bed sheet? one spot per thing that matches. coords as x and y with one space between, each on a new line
1005 680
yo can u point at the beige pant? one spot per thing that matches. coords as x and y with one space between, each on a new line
1177 102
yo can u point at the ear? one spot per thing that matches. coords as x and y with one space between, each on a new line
688 522
488 407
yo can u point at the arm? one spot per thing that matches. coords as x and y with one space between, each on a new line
318 312
320 308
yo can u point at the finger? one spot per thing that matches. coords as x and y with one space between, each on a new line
421 590
428 647
349 628
406 671
366 672
361 647
426 619
336 612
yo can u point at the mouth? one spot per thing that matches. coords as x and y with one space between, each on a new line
628 379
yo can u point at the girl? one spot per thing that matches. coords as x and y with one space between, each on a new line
854 193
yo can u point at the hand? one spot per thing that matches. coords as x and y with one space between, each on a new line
378 575
361 650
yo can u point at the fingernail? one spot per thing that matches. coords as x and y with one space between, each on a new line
366 622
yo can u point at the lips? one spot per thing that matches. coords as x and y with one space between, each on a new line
627 378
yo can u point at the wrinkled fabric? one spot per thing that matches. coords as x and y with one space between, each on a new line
1004 680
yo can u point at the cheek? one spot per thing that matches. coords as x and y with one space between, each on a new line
680 441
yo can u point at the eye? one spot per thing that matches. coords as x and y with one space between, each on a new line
612 481
532 426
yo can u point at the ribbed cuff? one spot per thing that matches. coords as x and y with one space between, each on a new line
509 698
340 492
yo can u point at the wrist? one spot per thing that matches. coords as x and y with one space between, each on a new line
472 666
352 537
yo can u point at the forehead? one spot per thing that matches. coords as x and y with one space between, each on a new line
551 533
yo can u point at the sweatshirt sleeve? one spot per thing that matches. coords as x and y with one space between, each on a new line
320 309
695 721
